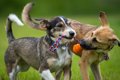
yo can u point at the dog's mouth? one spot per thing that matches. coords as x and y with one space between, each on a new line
89 47
68 37
86 46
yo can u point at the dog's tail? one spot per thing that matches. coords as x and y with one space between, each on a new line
12 18
28 20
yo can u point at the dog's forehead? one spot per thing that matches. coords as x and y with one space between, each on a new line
57 20
105 34
104 30
63 19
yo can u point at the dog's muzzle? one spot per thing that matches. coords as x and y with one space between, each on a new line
71 35
119 43
86 46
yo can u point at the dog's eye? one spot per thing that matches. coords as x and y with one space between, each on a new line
91 34
59 25
94 40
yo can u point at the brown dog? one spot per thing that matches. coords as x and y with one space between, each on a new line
96 41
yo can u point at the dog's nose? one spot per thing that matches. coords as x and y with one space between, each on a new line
82 42
119 43
71 33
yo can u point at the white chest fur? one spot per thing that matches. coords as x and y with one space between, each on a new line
64 58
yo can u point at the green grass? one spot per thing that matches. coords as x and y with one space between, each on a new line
110 69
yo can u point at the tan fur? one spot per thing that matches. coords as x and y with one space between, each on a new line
105 37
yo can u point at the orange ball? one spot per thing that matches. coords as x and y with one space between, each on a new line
77 48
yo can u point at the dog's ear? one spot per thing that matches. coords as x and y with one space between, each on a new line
43 23
27 19
103 19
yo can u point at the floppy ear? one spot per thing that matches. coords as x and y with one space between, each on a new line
103 19
43 22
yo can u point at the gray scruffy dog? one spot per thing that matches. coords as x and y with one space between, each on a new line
25 52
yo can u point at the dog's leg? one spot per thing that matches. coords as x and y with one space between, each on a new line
96 71
84 70
67 73
47 75
14 70
58 74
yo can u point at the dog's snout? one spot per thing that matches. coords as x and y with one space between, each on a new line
86 46
71 33
82 42
119 43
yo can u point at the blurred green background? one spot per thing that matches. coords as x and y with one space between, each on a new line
61 7
85 11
